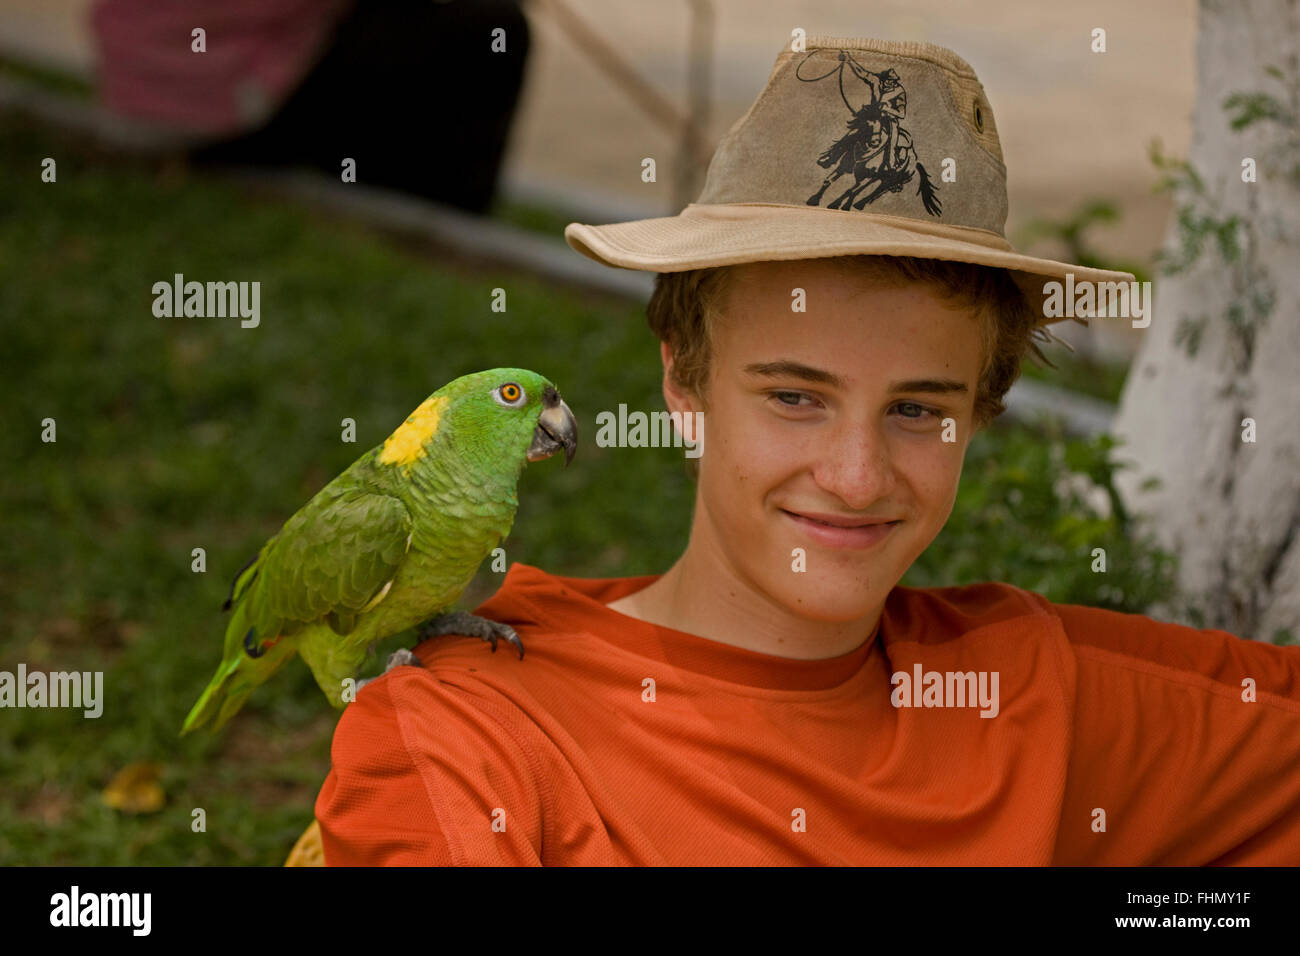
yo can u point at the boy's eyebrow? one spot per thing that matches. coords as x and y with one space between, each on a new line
789 369
936 385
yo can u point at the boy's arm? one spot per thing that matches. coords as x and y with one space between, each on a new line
421 776
1187 739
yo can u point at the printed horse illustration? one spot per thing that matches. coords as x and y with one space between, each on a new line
876 149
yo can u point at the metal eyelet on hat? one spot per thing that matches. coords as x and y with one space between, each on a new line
979 117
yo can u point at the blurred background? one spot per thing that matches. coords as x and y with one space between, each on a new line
226 164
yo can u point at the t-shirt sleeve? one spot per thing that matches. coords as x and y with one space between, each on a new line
1187 741
421 776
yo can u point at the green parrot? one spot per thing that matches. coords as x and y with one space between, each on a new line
392 541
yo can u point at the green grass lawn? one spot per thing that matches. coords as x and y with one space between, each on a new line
175 434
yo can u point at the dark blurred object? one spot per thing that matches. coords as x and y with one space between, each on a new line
409 89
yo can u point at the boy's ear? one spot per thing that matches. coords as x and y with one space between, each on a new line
676 399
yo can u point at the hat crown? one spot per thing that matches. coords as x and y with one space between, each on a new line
868 126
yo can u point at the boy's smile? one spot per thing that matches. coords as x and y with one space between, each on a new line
841 531
824 450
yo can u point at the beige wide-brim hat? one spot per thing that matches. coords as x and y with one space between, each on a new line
855 146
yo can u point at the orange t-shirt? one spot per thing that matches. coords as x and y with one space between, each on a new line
1117 740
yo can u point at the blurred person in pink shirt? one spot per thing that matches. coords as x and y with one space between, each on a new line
312 82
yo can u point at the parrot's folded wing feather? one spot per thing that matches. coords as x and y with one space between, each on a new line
333 559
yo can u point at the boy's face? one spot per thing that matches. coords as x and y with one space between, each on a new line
826 416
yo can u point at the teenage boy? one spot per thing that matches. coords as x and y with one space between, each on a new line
775 697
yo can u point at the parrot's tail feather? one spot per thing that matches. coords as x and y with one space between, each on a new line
213 699
234 699
237 676
232 684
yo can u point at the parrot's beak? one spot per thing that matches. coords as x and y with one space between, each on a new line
556 429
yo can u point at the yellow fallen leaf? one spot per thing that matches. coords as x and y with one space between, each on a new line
135 789
308 850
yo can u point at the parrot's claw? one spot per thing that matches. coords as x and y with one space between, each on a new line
402 658
471 625
399 658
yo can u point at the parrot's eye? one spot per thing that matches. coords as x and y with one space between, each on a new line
509 394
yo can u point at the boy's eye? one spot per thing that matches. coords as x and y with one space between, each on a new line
792 399
917 411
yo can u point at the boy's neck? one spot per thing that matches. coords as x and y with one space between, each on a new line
702 594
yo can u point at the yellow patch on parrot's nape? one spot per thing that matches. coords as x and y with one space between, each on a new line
407 443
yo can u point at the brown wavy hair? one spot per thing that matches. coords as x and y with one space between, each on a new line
685 305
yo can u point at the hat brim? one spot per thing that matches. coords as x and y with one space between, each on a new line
706 235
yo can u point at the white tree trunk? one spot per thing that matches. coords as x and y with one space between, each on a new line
1229 507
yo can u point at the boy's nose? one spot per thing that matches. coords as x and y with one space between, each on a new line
857 467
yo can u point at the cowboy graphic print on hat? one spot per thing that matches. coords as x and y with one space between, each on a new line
877 149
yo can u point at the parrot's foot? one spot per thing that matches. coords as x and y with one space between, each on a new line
471 625
399 658
402 658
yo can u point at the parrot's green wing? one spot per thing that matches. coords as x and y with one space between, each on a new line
331 560
329 563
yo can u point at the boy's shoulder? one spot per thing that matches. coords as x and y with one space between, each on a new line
555 618
1105 639
1097 634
